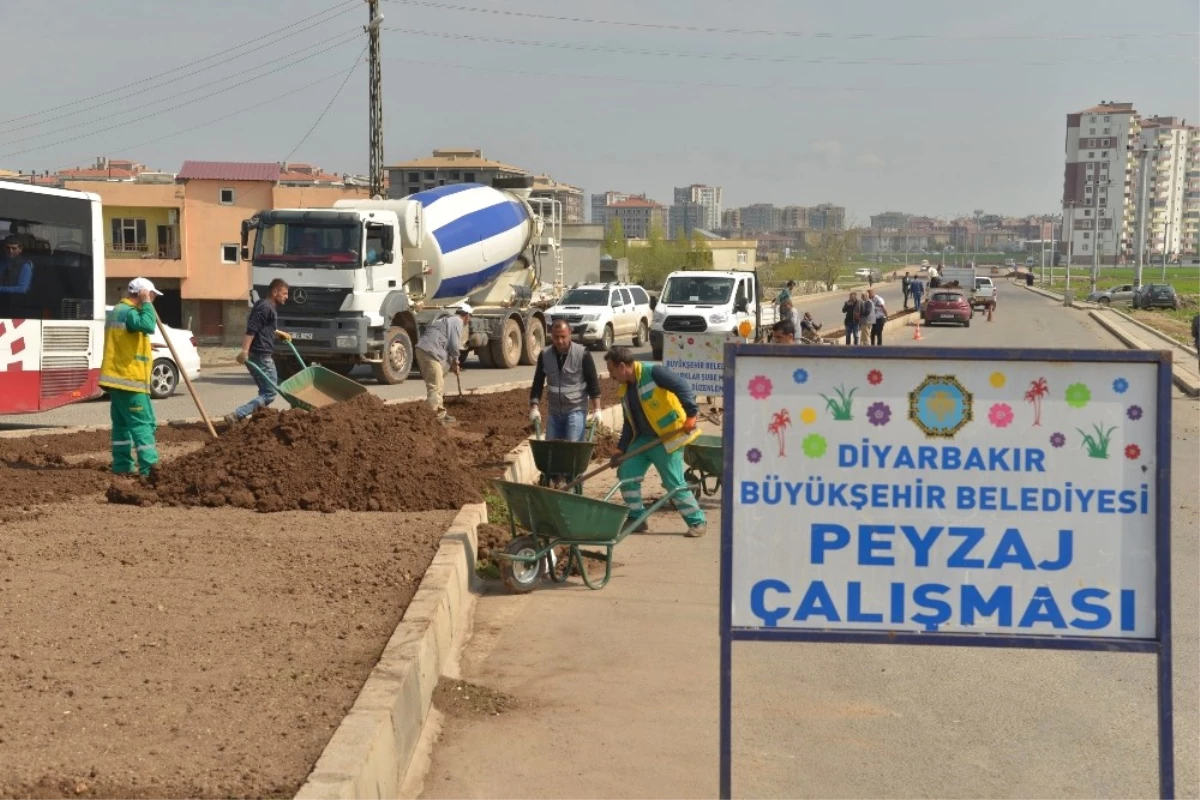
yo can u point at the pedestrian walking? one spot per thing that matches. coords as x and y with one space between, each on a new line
906 288
852 313
125 373
916 289
258 349
880 317
567 368
657 404
1196 332
437 352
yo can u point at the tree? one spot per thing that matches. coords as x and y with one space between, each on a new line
614 238
828 257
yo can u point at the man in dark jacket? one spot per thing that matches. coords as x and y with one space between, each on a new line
567 367
258 348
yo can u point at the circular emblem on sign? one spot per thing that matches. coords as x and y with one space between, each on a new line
299 297
940 406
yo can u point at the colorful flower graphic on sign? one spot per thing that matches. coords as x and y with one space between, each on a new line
940 406
1132 451
1134 413
998 379
814 445
1037 390
1120 386
1001 415
841 407
800 376
754 455
1058 439
1097 444
1078 395
760 387
780 422
874 377
808 416
879 414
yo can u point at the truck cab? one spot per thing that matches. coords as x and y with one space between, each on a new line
707 301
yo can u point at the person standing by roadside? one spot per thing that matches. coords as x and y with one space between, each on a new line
880 317
1196 332
658 404
125 373
567 367
851 310
916 289
786 294
906 288
258 349
437 353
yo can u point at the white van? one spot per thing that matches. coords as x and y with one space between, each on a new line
708 301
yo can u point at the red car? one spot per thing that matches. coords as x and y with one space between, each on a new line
948 306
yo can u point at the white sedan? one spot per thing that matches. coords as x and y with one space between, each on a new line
164 375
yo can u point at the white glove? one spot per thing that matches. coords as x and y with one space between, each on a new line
535 415
594 419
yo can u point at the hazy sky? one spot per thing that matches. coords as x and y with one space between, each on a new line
928 106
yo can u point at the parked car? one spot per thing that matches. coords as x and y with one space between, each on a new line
600 312
947 306
1115 294
164 374
1156 295
1010 263
868 274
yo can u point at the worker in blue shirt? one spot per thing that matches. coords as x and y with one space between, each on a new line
16 271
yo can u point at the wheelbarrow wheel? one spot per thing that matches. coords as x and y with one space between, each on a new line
520 576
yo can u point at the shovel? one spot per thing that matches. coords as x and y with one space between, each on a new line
186 380
625 457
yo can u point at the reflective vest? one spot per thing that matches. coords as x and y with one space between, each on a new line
127 359
661 408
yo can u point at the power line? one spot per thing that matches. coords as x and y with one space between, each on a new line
329 105
1159 58
258 41
343 38
787 33
240 84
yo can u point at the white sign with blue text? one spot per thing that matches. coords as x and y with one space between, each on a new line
930 495
699 358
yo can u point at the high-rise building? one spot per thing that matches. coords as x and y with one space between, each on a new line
1172 146
795 218
1100 186
827 217
696 206
600 204
762 217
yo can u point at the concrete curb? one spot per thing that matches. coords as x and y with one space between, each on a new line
895 323
370 753
1152 331
1182 378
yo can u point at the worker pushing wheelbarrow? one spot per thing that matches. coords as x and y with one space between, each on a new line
559 461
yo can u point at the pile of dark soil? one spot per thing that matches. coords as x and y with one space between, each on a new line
360 455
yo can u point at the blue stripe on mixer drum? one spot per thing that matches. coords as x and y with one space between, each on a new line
463 285
479 226
430 196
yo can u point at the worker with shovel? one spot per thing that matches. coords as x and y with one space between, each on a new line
437 353
125 373
659 406
258 347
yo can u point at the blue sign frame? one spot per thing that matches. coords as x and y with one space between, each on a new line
1160 644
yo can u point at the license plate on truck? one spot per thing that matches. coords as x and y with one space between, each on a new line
302 336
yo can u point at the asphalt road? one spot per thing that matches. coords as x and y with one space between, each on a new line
827 308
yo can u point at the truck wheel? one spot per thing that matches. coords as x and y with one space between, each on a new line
606 339
535 340
506 350
397 358
642 334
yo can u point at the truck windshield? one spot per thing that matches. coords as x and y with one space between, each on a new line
585 297
699 289
334 246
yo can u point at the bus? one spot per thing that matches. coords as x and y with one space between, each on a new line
51 328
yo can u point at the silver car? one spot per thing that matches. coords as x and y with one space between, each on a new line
1117 294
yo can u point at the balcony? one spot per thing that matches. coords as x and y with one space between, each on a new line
141 251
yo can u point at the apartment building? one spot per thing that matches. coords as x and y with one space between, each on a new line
638 215
695 206
450 166
1100 183
1172 153
762 217
827 217
600 204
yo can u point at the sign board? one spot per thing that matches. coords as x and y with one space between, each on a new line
952 496
699 358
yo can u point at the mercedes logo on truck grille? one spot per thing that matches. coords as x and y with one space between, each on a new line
300 297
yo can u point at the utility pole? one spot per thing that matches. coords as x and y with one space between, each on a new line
1141 229
1166 243
1070 239
1097 228
375 101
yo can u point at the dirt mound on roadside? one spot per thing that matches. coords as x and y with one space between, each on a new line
360 455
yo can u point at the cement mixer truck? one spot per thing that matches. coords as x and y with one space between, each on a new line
366 276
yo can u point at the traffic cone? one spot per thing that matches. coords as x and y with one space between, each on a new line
917 331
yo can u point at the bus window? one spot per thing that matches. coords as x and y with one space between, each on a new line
52 236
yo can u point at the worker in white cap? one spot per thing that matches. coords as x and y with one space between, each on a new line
125 373
437 352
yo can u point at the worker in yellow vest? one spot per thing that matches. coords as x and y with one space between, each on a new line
658 404
125 373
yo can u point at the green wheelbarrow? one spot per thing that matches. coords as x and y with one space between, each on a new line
561 459
557 519
705 459
312 387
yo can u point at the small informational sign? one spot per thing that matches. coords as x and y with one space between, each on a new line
699 358
926 495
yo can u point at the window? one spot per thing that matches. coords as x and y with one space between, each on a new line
639 295
626 298
413 177
454 175
1091 130
741 256
129 235
1091 154
1087 235
1107 119
227 197
469 177
616 299
1104 154
429 175
168 241
56 239
1087 212
229 254
414 189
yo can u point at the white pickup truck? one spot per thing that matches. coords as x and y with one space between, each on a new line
980 289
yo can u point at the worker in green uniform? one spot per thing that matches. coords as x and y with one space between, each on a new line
125 373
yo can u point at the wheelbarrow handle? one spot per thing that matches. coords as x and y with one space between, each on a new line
624 457
296 353
264 376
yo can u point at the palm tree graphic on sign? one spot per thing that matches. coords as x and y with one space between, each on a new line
780 421
1037 390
